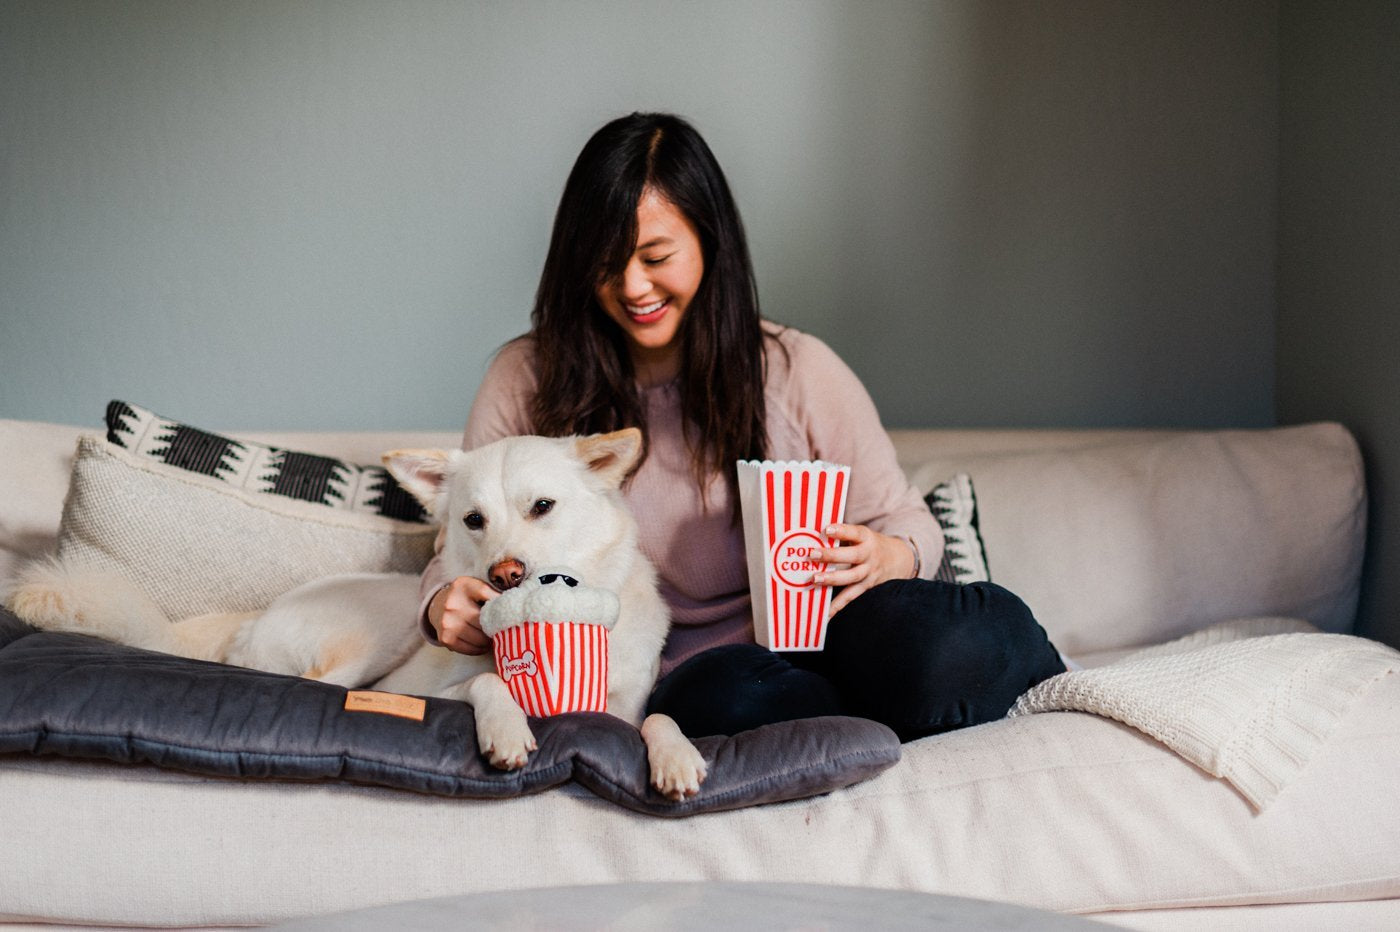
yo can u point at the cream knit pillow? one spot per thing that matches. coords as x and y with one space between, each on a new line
200 544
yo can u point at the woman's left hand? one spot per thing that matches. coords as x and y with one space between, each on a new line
870 558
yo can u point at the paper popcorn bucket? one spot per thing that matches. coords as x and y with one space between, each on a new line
554 667
786 506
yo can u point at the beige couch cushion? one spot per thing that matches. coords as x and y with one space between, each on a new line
1065 811
1133 542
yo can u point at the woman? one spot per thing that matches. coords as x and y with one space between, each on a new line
647 315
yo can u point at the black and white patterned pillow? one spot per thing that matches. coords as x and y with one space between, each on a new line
257 468
954 504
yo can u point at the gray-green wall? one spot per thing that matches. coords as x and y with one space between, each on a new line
290 214
293 214
1339 255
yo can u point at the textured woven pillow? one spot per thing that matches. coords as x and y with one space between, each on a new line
208 532
954 504
254 467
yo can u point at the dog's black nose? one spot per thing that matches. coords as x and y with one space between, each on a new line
548 578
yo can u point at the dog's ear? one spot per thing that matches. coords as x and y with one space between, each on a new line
612 456
422 473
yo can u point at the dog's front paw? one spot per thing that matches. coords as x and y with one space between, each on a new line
679 774
677 768
504 737
502 733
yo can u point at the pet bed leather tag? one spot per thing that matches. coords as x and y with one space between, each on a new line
364 700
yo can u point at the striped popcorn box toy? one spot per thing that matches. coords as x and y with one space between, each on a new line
549 636
786 506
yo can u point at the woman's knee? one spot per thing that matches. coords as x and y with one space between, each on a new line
930 656
738 687
928 616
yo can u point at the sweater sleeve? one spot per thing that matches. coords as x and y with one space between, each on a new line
500 409
502 404
826 401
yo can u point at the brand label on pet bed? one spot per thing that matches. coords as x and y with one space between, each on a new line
363 700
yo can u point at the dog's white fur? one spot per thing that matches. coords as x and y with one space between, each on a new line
353 630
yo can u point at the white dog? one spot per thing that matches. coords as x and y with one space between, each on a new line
506 509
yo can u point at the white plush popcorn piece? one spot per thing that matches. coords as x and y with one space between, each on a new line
551 595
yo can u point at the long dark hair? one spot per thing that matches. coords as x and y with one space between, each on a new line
586 378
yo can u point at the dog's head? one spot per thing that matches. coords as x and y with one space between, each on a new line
522 503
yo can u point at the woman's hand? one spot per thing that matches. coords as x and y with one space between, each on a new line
455 614
870 557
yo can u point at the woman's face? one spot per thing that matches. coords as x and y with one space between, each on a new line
649 299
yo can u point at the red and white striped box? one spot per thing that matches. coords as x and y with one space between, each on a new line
786 506
549 636
553 667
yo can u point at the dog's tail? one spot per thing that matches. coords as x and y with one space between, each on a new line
56 596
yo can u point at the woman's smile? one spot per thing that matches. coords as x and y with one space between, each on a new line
648 314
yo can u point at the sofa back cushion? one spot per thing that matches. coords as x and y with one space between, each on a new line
1119 543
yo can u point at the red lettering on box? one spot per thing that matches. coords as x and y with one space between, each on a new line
792 559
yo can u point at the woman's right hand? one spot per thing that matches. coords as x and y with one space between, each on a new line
455 614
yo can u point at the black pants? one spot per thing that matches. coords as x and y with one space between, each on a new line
922 657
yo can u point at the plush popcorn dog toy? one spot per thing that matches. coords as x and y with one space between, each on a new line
550 638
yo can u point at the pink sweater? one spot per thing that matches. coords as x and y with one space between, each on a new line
816 408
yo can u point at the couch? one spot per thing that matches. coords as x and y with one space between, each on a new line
1117 539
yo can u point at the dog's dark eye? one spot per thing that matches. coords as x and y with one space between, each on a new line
474 520
541 507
